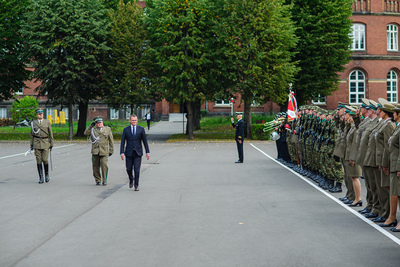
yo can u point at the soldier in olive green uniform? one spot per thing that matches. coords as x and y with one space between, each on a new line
102 147
41 142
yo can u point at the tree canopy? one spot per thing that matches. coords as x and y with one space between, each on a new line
260 39
12 61
182 38
126 69
67 43
323 28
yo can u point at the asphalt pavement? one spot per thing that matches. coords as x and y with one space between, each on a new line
195 207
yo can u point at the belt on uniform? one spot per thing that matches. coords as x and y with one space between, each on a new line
40 137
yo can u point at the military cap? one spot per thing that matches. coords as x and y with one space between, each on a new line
373 105
365 103
39 110
388 108
350 110
382 102
397 108
341 105
98 119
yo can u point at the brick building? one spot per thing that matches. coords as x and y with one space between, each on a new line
373 71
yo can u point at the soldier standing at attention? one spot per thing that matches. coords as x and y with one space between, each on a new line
42 142
102 148
239 136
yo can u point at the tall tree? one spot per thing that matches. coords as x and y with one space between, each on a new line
126 71
259 36
12 62
323 28
67 43
182 41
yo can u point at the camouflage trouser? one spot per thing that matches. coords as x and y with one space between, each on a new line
292 151
337 170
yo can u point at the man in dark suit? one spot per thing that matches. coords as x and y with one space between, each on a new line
239 136
133 135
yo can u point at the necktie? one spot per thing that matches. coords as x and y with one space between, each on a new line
133 132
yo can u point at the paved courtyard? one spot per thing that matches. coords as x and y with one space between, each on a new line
195 207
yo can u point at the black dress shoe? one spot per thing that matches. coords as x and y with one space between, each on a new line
130 183
394 230
365 210
343 198
359 203
238 161
370 215
392 224
97 183
348 201
379 219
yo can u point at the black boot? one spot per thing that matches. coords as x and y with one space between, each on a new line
40 171
46 172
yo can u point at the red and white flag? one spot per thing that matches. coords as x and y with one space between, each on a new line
292 107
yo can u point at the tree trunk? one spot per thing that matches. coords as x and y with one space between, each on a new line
70 123
189 107
247 118
83 111
196 115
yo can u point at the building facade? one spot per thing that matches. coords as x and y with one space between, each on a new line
373 71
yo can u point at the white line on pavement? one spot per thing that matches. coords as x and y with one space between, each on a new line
24 153
377 227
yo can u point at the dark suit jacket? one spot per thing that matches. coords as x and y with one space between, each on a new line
133 144
239 130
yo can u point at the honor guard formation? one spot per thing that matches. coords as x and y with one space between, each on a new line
344 145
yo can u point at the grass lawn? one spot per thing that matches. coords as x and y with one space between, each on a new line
212 129
60 132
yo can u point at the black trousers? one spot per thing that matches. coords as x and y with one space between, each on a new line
133 163
240 150
148 124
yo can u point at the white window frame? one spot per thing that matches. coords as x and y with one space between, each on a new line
358 36
3 113
358 83
392 37
21 92
220 102
317 101
49 111
114 114
391 86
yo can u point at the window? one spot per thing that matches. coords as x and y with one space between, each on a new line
222 102
3 113
358 36
20 92
320 100
392 37
357 87
49 111
391 85
114 114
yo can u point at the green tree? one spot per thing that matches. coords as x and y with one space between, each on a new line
24 107
259 36
67 43
126 71
12 62
323 50
182 41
